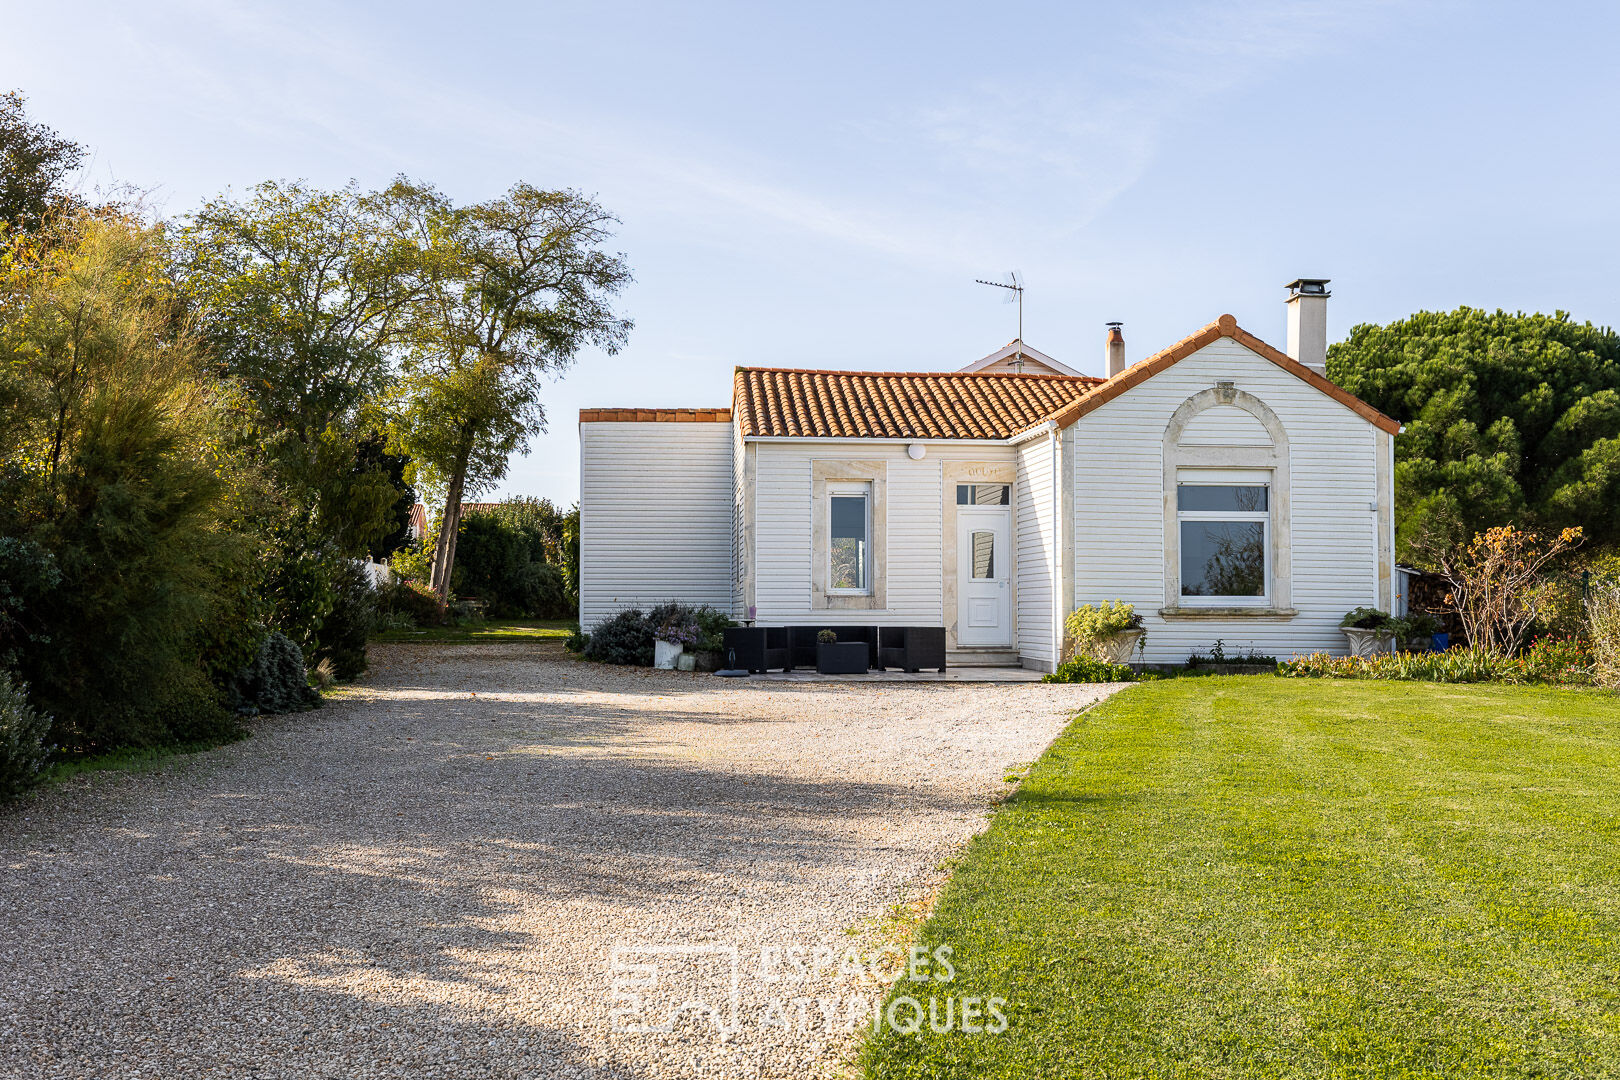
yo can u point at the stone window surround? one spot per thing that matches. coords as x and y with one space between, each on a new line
870 471
1274 458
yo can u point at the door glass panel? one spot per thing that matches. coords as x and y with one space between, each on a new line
983 494
984 555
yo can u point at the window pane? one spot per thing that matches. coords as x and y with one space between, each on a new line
983 494
849 516
984 555
848 563
1227 497
848 535
1223 558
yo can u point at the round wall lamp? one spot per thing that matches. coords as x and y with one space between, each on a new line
916 451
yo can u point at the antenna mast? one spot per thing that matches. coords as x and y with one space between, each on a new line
1015 291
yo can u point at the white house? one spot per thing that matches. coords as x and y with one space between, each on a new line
1227 489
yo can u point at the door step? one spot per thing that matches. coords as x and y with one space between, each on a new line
982 658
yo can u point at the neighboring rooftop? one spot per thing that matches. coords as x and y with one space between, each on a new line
897 405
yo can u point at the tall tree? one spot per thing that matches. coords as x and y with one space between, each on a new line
34 165
513 289
1510 419
302 295
113 465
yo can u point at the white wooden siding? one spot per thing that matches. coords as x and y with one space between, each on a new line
915 511
656 515
1119 500
1034 518
1225 425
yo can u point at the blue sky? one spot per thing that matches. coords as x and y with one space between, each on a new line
817 185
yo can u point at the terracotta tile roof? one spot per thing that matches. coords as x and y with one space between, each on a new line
897 405
1225 326
644 416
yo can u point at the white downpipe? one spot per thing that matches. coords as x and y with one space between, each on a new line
1053 442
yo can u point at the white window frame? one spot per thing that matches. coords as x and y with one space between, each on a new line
1228 478
845 489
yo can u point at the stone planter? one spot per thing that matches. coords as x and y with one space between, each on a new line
665 654
1117 648
709 660
1368 642
686 662
842 658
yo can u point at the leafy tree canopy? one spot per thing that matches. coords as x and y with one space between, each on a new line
34 164
1510 418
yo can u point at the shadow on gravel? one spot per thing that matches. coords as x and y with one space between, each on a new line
314 916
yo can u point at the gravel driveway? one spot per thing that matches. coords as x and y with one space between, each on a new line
468 866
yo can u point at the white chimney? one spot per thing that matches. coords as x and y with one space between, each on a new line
1116 349
1307 322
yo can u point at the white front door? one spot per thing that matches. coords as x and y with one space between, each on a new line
983 577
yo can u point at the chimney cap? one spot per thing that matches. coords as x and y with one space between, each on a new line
1308 286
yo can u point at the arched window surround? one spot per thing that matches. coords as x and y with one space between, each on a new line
1274 457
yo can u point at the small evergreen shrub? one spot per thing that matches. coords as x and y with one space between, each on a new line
342 636
576 642
1085 669
22 739
626 638
276 681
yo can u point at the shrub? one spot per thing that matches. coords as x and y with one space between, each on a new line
576 642
626 638
27 575
1501 585
1603 622
1552 659
1366 618
1091 624
545 593
1085 669
507 558
342 636
1549 660
415 601
678 632
713 623
22 739
276 681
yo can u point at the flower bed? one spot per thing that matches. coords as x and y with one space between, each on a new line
1549 660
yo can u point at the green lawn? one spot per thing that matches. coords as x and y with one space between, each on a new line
493 630
1260 877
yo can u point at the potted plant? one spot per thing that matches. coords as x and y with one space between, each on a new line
834 657
670 640
1369 631
1109 632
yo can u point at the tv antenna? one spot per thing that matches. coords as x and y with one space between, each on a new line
1014 284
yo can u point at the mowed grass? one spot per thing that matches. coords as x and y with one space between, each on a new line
493 630
1263 877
